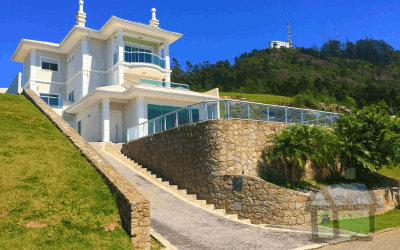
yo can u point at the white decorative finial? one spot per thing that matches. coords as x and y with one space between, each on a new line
81 6
81 16
154 22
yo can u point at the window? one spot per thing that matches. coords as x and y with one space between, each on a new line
78 127
71 97
70 59
49 63
52 100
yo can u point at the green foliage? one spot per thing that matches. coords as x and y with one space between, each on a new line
299 143
369 138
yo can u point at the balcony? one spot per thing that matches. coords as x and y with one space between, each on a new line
144 57
164 84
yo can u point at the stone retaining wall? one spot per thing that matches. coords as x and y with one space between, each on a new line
205 157
134 208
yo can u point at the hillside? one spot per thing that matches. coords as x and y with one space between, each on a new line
51 197
351 75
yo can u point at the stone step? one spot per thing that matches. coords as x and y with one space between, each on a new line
173 187
208 206
220 211
190 197
159 180
201 202
245 221
232 216
181 191
165 183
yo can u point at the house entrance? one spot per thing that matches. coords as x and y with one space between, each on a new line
115 126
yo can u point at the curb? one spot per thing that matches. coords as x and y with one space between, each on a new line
162 240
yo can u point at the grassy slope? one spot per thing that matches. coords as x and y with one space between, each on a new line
260 98
45 179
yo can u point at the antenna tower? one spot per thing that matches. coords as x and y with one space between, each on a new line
288 30
323 35
336 32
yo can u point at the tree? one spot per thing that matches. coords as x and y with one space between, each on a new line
299 143
369 138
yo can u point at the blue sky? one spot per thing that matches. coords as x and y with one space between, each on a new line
213 30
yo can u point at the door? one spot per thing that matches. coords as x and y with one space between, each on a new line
115 126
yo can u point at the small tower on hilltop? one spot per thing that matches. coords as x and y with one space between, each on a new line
288 30
323 35
81 16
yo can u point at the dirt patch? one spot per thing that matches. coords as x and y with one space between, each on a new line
112 226
33 223
57 217
4 214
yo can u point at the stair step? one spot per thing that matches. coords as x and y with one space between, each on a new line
159 180
245 220
165 183
181 191
208 206
173 187
232 216
190 197
220 211
201 202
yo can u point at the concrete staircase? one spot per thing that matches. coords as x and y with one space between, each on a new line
115 150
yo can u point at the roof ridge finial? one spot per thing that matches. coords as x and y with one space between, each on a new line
81 16
154 22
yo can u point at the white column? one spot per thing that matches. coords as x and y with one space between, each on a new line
32 78
141 115
120 43
167 63
106 119
85 67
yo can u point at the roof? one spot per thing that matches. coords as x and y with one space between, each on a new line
77 32
119 92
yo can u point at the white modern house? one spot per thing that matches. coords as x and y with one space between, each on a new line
278 44
103 82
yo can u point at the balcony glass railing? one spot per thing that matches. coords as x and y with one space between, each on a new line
164 84
231 109
52 100
144 57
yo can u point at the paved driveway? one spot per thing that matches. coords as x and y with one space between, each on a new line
189 227
389 240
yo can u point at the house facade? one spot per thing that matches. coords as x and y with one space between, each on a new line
103 82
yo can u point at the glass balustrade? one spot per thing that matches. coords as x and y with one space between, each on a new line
144 57
231 109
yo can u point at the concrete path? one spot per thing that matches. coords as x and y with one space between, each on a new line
189 227
389 240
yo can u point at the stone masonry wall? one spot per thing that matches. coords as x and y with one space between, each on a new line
205 157
134 208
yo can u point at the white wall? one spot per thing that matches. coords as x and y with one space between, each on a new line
90 123
49 75
26 75
96 80
75 85
97 54
76 65
15 86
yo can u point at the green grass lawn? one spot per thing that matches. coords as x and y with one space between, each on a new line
390 219
260 98
51 197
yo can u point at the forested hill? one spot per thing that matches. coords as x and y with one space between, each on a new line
350 74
